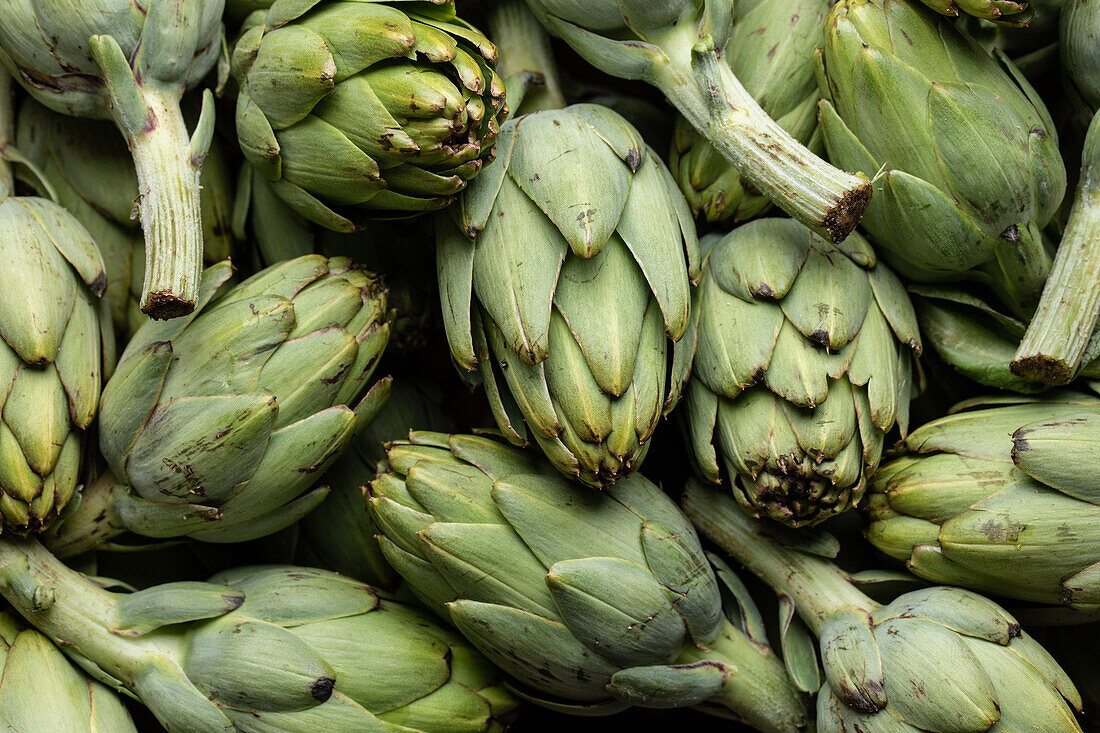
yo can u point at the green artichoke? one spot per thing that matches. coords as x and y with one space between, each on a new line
89 170
800 355
935 660
593 601
220 423
968 153
41 690
1000 499
771 50
1080 42
366 108
675 45
262 649
563 271
55 347
130 61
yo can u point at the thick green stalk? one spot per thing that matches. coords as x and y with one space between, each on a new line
817 587
710 96
1055 341
524 49
7 130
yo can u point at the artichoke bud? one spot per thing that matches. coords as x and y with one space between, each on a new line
800 357
587 384
246 428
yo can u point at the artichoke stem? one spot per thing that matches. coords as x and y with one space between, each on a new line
76 613
524 49
711 97
7 132
816 586
1055 341
91 524
168 205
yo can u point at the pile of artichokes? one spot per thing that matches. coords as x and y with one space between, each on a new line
462 367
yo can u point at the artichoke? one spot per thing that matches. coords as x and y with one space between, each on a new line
130 61
1000 499
55 346
41 690
365 108
771 51
970 161
594 602
675 46
937 660
1080 41
90 171
220 423
263 648
562 270
800 355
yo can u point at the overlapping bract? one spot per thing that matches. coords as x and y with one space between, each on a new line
940 660
1006 11
358 109
594 601
800 356
41 690
771 50
969 155
564 269
53 356
1002 499
222 421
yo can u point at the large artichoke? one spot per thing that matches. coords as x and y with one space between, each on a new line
41 690
55 345
563 272
593 601
90 171
800 355
261 649
969 155
935 660
130 61
220 423
1001 499
365 108
771 50
675 45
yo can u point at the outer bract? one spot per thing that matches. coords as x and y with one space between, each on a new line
800 355
41 690
220 423
399 100
130 61
564 270
53 353
264 648
771 50
968 153
594 602
1001 499
935 660
1008 11
1080 37
91 173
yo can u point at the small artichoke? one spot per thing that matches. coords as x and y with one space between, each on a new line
593 601
564 269
801 356
130 61
985 498
55 347
935 660
90 171
366 108
771 50
969 155
41 689
220 423
261 649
